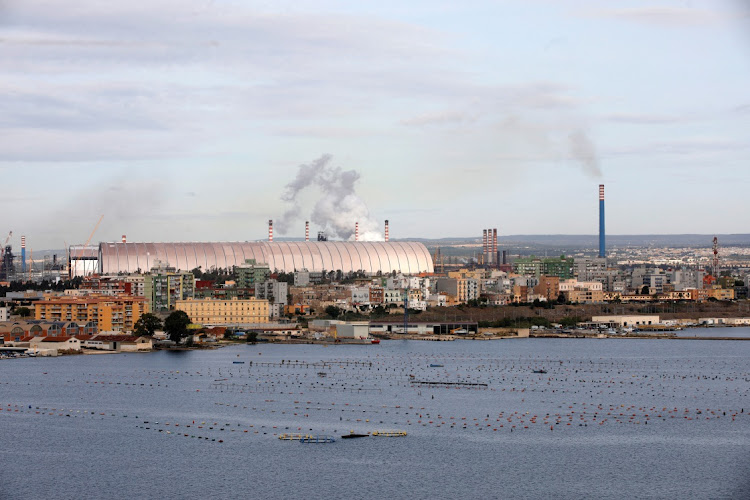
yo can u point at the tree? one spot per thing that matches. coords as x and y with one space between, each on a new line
24 312
147 324
644 290
333 311
252 337
176 325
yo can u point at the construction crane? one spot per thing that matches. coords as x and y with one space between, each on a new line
2 249
716 258
79 254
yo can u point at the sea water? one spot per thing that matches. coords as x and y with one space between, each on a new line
610 418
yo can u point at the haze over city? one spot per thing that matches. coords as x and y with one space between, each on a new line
190 120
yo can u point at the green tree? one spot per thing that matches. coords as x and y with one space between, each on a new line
252 337
176 325
147 324
24 312
333 311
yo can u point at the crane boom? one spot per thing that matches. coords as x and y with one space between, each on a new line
80 251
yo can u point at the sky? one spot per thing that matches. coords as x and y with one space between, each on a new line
197 120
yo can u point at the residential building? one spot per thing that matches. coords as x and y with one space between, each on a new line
252 272
164 285
225 312
272 291
109 313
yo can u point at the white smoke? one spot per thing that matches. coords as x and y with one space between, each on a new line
339 206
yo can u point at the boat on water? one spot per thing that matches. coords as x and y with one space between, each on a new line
436 365
354 435
375 341
238 362
540 371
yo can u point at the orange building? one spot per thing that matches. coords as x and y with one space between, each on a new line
109 313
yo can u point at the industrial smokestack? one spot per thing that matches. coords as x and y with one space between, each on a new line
124 239
386 230
23 254
484 246
495 260
307 230
270 231
356 231
602 241
505 257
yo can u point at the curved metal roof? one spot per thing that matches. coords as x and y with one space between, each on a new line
370 257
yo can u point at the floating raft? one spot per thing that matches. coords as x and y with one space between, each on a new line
389 434
318 439
427 382
293 436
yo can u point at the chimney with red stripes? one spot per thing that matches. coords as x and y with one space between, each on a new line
270 230
386 230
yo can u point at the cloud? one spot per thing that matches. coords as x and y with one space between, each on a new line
669 16
644 118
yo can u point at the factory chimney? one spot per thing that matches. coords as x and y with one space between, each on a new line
124 238
307 230
602 245
270 230
495 258
484 246
356 231
23 254
386 230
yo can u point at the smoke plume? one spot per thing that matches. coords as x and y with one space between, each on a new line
338 207
582 149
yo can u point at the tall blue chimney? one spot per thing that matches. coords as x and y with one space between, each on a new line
602 246
23 254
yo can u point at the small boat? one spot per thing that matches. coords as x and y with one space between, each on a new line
353 435
436 365
375 341
238 362
540 371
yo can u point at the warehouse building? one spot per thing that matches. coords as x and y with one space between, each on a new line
314 256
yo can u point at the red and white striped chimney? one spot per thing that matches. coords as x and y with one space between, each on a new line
386 230
307 230
356 231
270 230
23 241
124 239
494 245
484 244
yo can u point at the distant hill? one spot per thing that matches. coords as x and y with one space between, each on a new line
592 241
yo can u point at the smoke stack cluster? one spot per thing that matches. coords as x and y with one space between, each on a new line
602 238
307 230
386 230
270 231
489 247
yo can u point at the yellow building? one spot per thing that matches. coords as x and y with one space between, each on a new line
721 293
109 313
224 312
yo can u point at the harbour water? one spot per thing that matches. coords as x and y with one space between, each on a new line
610 418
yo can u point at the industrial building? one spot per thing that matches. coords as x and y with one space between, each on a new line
314 256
